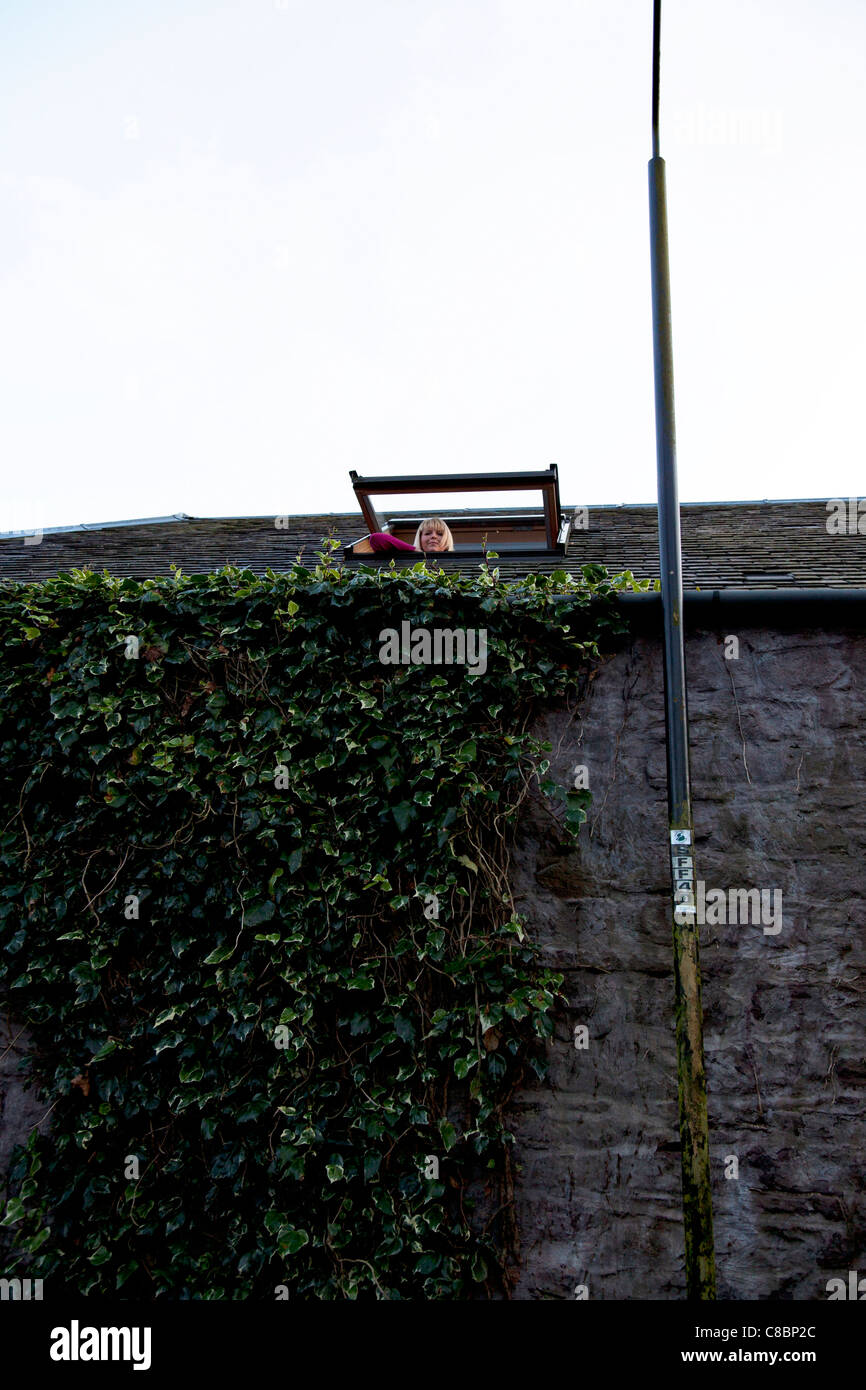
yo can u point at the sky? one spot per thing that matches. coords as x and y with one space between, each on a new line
247 247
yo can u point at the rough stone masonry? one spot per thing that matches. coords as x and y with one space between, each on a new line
778 758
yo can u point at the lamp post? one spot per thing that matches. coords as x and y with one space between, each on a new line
691 1077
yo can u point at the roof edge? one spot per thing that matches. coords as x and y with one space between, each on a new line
309 516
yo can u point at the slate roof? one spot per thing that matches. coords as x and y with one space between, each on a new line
750 545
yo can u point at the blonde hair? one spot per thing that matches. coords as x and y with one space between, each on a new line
435 523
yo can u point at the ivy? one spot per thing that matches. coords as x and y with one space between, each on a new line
255 913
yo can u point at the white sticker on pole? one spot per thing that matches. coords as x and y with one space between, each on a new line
681 837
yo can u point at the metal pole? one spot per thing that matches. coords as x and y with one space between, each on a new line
691 1077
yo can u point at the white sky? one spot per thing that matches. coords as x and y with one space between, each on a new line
249 246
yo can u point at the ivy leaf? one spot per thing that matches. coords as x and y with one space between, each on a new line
448 1133
263 912
291 1239
14 1212
402 814
221 953
381 880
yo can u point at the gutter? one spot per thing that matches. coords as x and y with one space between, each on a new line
753 607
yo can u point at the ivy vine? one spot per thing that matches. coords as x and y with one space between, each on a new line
255 914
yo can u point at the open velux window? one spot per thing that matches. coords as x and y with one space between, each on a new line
505 512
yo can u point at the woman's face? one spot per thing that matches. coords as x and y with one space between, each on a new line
432 540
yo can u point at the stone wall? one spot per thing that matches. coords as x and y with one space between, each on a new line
21 1106
778 771
778 752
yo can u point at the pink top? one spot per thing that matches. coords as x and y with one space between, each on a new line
382 540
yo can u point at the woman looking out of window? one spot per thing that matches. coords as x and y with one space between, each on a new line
432 538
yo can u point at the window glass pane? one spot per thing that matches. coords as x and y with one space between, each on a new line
438 503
